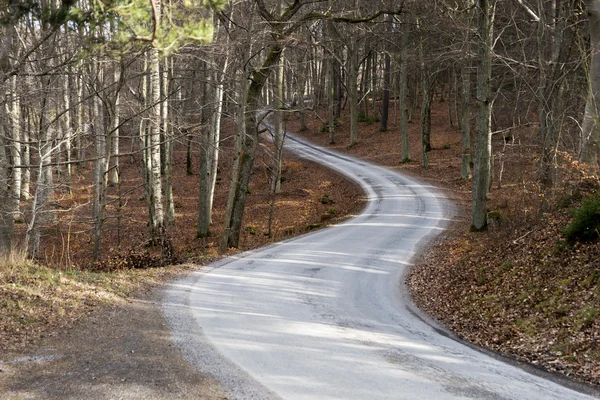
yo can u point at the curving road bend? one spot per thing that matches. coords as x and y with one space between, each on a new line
324 316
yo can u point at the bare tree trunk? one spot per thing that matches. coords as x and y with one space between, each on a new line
248 148
205 159
204 185
158 224
387 83
331 101
6 206
115 131
233 187
404 100
145 145
168 146
80 119
465 122
99 203
17 178
481 173
554 42
365 84
41 196
216 131
427 81
301 90
279 131
352 89
68 131
591 118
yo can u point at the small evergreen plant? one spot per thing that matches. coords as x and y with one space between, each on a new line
585 226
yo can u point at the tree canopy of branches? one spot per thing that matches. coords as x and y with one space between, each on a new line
86 83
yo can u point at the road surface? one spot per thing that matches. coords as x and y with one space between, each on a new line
325 315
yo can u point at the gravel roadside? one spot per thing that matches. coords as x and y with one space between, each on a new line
124 352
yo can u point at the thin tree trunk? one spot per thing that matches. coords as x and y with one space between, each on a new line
279 131
365 84
40 198
145 145
26 160
331 101
17 178
233 187
68 131
115 132
99 203
465 123
158 224
6 206
204 161
404 100
80 118
465 101
352 89
481 173
387 83
168 146
590 124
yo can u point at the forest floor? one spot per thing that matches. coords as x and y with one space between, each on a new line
519 288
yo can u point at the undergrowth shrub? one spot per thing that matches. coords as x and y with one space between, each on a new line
131 260
585 226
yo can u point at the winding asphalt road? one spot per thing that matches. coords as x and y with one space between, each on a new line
325 315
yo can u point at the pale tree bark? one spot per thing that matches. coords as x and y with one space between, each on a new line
68 133
365 82
220 75
41 196
6 200
145 144
169 142
17 178
80 117
591 118
216 130
115 130
6 206
158 223
26 160
486 10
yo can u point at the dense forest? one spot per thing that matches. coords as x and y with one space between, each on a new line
93 85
